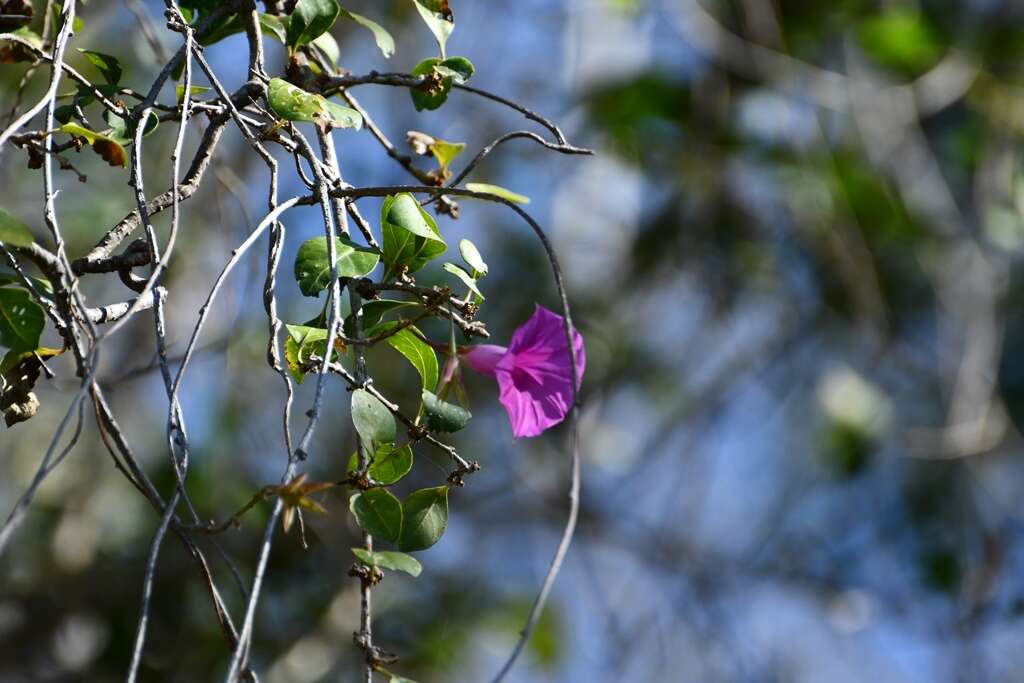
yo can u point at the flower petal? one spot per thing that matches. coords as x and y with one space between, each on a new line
530 412
535 373
484 358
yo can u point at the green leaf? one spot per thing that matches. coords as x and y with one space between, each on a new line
399 679
13 231
342 117
313 265
372 420
445 152
409 342
303 342
29 36
390 464
21 320
411 236
466 278
471 255
440 23
86 96
274 27
122 131
901 39
373 311
292 102
193 91
380 35
389 559
45 286
58 9
379 513
107 147
107 65
459 69
425 518
295 104
442 416
309 20
431 95
13 358
293 358
326 43
499 191
226 26
403 211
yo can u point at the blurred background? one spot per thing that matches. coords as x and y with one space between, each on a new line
796 262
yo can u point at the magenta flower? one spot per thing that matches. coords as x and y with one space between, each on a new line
534 373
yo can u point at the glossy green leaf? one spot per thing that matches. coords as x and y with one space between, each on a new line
443 417
313 265
274 27
389 559
409 342
329 46
292 102
379 513
295 104
403 211
466 278
124 133
107 65
380 35
499 191
459 69
343 117
13 231
440 23
425 518
21 320
372 420
471 255
411 236
390 464
309 20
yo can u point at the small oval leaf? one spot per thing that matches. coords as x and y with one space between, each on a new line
471 255
487 188
389 559
313 266
442 416
425 518
378 513
371 418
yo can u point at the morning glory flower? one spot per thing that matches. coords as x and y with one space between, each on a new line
534 373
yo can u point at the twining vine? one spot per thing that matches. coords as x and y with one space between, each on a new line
366 273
